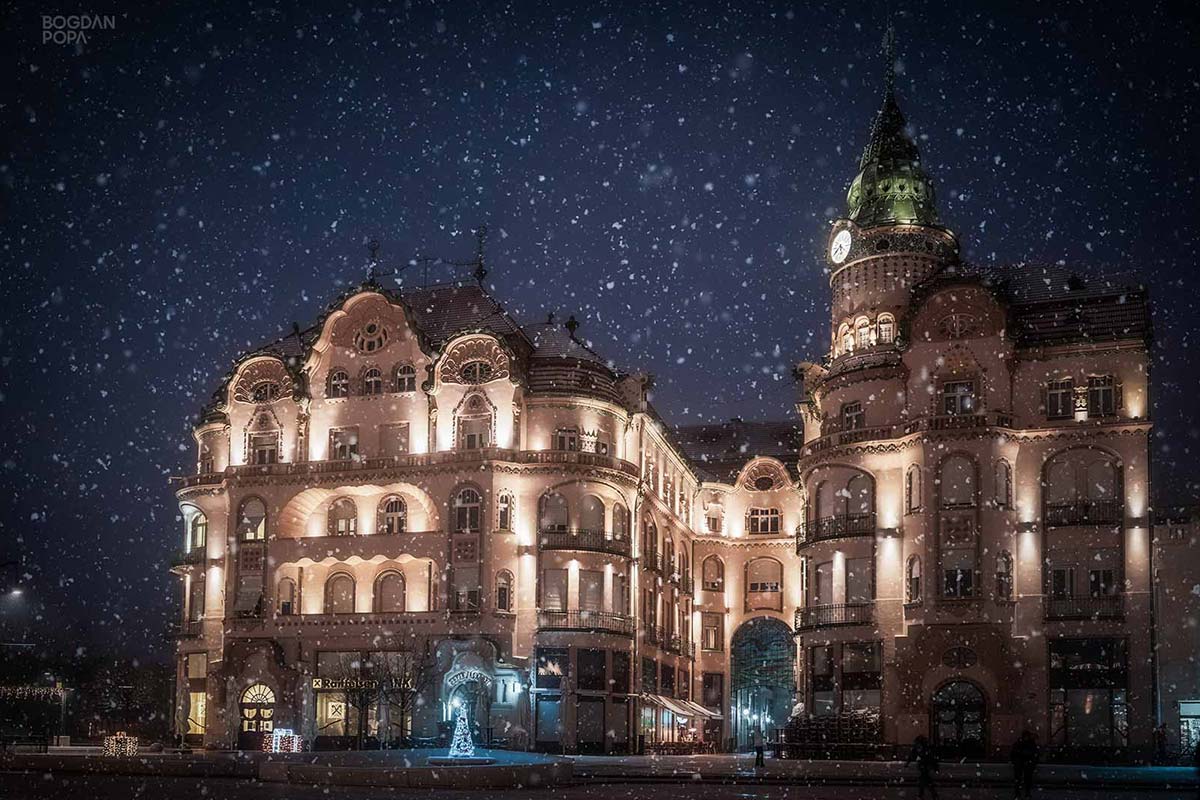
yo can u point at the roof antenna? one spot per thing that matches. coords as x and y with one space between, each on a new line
480 239
373 269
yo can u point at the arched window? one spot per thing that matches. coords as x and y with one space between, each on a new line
504 591
763 521
468 511
862 333
912 580
764 584
343 517
406 378
1003 484
196 598
886 329
258 709
1101 480
339 594
668 554
389 593
393 516
372 381
912 489
553 514
1060 482
338 384
252 520
197 529
846 336
712 574
957 482
504 511
285 597
860 497
650 541
591 513
1004 576
827 504
474 421
620 522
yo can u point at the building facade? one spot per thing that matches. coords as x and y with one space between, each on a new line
418 508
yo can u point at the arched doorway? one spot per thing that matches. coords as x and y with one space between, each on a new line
763 677
257 708
959 719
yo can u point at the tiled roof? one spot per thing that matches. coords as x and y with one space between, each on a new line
445 310
720 451
562 363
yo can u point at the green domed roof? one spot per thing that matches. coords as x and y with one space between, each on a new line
890 186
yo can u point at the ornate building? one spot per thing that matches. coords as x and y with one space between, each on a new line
418 505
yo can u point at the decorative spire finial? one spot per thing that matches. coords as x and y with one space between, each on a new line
480 239
889 52
373 249
572 325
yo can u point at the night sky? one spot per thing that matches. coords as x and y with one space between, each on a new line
185 186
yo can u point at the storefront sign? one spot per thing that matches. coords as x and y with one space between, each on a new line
346 684
466 676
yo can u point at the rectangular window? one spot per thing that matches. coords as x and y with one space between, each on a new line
620 598
684 688
958 398
712 631
1058 399
853 416
620 672
1102 582
713 690
859 580
821 668
958 573
667 681
343 444
591 590
264 448
1102 396
474 433
649 676
197 666
197 712
566 439
1062 582
823 584
764 521
553 667
393 439
591 670
554 589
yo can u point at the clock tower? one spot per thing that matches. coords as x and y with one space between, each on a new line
890 239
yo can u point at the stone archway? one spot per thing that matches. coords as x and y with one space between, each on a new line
762 677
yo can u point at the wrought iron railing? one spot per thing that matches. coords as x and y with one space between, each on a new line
651 561
184 557
837 527
834 436
1108 606
584 539
1084 512
583 620
834 614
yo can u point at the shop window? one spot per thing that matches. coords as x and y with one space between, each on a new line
621 672
591 674
553 667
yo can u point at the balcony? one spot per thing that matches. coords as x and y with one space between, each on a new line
833 437
187 630
1084 512
652 634
651 562
681 646
687 583
582 620
834 614
421 461
1109 606
583 539
838 527
468 602
183 558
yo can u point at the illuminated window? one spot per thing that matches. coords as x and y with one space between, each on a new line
339 594
504 591
197 533
887 329
712 574
1102 396
763 521
343 444
394 518
862 334
474 424
504 511
468 511
343 517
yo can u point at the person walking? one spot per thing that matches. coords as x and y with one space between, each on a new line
756 740
925 757
1024 756
1160 745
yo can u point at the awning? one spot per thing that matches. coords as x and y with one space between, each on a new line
677 707
701 711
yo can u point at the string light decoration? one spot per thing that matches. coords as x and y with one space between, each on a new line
120 745
461 746
32 692
282 740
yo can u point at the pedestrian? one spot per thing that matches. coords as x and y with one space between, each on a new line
756 740
925 756
1160 745
1024 756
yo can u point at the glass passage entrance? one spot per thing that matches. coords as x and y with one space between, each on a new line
763 660
959 719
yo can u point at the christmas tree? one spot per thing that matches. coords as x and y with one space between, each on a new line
461 746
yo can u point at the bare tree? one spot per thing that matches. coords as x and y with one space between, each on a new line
402 676
392 679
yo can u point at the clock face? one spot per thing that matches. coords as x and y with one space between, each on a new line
840 247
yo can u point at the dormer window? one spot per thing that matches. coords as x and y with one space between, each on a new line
265 392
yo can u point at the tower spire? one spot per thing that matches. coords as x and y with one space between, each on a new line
889 52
